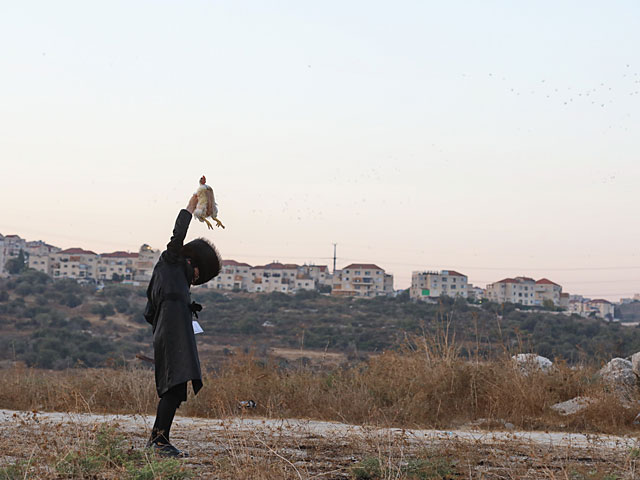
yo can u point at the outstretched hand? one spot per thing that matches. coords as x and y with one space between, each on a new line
193 202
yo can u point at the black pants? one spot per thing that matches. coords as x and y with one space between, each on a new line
167 406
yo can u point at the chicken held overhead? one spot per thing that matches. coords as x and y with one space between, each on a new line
207 207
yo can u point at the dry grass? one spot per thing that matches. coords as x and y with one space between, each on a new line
424 386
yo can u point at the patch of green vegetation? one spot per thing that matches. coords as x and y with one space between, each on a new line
429 468
20 469
109 453
367 469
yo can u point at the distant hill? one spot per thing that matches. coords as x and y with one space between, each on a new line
62 324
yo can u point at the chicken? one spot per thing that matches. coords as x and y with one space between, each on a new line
206 206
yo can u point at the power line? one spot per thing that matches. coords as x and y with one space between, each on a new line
521 268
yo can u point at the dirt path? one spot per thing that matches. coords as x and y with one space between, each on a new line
268 448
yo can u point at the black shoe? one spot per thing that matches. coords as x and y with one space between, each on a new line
166 450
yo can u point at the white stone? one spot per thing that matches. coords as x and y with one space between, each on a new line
532 361
619 372
635 362
572 406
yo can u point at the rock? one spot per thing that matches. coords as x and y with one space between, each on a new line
530 361
619 373
635 362
572 406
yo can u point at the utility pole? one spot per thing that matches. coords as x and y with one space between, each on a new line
334 258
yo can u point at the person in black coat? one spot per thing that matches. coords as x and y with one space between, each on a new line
169 310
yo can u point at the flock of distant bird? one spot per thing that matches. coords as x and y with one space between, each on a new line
592 94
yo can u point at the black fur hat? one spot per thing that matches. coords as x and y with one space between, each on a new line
203 254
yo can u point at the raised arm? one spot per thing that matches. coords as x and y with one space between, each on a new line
181 227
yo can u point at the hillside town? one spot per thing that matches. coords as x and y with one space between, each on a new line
364 280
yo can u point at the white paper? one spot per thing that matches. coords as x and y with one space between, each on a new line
196 327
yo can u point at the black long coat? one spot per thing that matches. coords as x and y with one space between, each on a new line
168 301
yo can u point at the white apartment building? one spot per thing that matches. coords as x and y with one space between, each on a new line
273 277
304 282
427 284
547 290
74 263
564 300
515 290
599 308
40 256
10 246
116 266
475 292
362 280
319 273
233 276
602 308
143 265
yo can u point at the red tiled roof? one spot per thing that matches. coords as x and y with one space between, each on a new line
362 266
545 281
77 251
269 266
600 300
276 266
454 273
119 254
233 263
516 280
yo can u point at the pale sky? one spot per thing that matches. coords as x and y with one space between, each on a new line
496 138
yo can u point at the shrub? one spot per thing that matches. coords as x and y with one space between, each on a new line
67 285
23 289
70 300
79 323
104 310
121 304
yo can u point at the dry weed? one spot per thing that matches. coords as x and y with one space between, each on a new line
423 386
